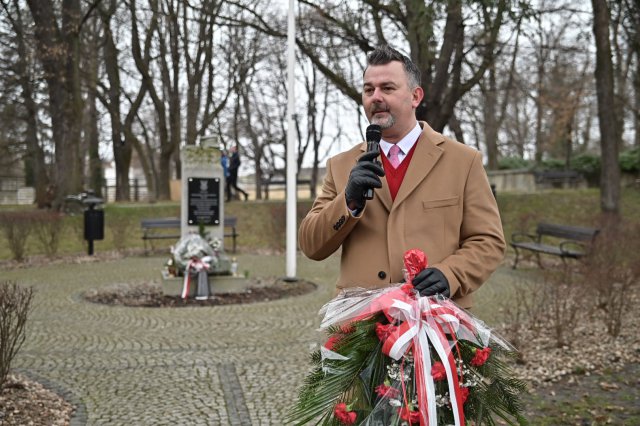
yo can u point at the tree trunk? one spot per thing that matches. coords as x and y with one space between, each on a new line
121 151
91 133
491 120
35 167
636 112
609 137
58 51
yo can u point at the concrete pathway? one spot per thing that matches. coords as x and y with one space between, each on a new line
228 365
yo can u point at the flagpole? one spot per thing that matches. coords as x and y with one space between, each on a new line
291 240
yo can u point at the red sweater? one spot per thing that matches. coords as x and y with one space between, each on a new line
396 176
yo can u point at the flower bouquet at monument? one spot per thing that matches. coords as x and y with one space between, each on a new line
191 255
396 358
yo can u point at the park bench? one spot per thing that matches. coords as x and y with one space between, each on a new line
156 229
558 178
567 242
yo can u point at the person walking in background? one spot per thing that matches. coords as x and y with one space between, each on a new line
431 194
234 165
224 162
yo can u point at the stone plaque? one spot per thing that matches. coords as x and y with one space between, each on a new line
203 201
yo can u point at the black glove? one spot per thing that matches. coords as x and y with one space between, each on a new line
365 175
431 281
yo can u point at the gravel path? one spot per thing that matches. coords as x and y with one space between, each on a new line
235 365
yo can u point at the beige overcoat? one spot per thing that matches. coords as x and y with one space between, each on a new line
444 207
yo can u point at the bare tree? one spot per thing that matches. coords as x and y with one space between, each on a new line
450 67
58 40
110 95
495 110
609 136
184 75
319 124
90 142
23 71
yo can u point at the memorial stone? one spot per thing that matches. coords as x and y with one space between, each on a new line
202 189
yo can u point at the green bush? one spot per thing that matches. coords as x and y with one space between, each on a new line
586 163
514 163
553 164
589 166
630 161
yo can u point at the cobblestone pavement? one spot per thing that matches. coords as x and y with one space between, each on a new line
224 365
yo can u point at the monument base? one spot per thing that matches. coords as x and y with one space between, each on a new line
172 286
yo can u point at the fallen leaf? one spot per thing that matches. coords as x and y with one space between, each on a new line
609 386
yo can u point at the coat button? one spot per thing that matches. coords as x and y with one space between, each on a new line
382 275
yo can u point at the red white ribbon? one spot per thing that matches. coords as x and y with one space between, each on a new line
195 265
426 320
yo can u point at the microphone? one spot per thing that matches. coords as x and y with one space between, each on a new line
374 134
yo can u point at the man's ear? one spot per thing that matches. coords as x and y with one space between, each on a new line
417 96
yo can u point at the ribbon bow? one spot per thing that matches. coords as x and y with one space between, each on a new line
427 320
195 265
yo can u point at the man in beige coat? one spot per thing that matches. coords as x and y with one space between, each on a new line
437 199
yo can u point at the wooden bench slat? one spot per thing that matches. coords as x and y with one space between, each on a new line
566 231
574 236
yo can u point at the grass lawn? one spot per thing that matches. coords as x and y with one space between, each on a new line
261 224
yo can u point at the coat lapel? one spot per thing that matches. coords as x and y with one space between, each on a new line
426 155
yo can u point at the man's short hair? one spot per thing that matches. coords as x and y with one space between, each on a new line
384 54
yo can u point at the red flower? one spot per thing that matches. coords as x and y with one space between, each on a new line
387 391
481 356
384 330
464 394
408 289
343 415
331 342
438 372
408 415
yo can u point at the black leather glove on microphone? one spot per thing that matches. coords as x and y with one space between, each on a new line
365 175
431 281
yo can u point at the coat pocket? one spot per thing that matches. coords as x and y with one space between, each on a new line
445 202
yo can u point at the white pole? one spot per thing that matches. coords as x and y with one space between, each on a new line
291 241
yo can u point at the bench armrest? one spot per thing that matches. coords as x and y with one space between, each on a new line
566 245
518 237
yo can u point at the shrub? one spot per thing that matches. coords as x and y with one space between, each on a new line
48 227
76 224
514 163
120 225
611 271
15 303
553 164
524 314
589 166
586 163
565 301
630 161
16 227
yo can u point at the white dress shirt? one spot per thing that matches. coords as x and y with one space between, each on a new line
405 144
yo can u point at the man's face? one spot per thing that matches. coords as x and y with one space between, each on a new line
388 100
